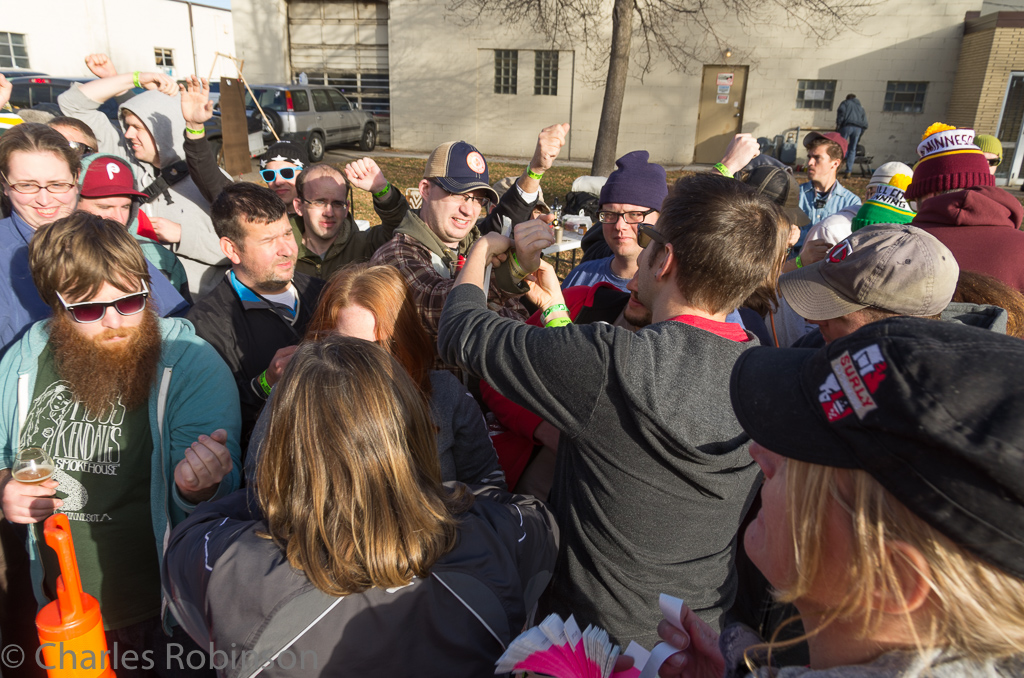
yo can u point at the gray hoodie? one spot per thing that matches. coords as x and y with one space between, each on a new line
199 249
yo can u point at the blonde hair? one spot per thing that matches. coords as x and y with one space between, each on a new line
349 479
977 610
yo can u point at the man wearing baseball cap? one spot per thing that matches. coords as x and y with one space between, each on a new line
880 271
430 243
823 195
107 189
959 203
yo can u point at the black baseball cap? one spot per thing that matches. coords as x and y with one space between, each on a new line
933 410
778 185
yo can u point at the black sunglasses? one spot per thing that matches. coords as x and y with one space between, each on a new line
92 311
994 162
83 149
645 234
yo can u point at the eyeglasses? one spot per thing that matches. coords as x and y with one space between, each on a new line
93 311
645 234
83 149
628 217
28 188
337 205
466 197
286 173
994 162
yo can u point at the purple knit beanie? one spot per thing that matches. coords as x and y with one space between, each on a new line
636 182
949 160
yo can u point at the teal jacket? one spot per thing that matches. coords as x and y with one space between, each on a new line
193 394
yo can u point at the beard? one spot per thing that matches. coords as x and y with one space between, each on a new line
99 374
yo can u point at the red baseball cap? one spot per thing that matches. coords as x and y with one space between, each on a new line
831 136
107 176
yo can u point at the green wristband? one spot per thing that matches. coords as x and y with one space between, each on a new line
723 170
263 382
551 309
558 322
135 78
195 131
799 264
384 191
533 175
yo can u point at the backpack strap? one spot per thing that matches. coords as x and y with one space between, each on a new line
168 177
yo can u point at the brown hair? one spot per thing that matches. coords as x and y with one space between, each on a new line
77 254
727 240
244 202
74 123
383 292
349 479
833 150
978 288
33 137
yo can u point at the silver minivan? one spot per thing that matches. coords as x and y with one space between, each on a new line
316 116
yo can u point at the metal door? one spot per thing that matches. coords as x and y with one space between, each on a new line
348 119
721 111
326 119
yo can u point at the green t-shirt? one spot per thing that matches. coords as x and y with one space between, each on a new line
103 467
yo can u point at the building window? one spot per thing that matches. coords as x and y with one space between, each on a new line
545 73
904 97
12 51
817 94
506 71
164 56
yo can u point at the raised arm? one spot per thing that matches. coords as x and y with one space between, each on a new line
197 108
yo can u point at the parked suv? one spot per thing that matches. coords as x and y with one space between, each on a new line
314 115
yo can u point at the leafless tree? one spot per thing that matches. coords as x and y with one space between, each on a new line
685 33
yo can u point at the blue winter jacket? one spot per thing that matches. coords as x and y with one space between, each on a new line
193 394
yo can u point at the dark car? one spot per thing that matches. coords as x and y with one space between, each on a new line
41 92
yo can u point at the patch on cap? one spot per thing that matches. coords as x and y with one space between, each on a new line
839 252
475 162
112 169
853 381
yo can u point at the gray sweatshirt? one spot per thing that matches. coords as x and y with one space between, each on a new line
653 473
199 249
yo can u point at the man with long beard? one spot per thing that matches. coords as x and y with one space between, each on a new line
117 397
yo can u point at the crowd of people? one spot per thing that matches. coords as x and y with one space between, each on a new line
800 412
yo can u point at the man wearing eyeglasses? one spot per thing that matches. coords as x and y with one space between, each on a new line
430 244
327 236
116 397
632 195
651 476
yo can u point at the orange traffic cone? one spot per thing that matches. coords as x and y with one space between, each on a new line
71 627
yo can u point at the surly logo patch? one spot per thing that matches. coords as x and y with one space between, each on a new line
851 386
839 252
476 163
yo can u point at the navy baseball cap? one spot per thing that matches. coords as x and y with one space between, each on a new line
932 410
459 168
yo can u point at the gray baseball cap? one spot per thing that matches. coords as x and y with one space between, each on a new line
898 268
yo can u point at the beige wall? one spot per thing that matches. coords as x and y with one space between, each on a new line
442 80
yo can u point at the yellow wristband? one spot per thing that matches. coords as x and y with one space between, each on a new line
135 78
533 175
799 264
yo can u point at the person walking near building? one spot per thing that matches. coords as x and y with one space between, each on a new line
851 122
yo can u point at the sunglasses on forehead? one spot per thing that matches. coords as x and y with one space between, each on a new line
92 311
286 173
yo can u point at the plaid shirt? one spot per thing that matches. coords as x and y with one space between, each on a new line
430 287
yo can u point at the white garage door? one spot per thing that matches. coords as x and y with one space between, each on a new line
344 44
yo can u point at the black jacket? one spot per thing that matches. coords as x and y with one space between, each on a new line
248 334
502 560
850 112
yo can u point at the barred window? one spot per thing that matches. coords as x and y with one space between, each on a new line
816 94
545 73
164 56
904 97
506 71
12 51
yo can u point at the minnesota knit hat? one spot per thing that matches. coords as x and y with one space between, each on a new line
931 410
898 268
636 182
949 161
887 206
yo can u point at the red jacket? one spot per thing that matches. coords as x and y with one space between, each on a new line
980 227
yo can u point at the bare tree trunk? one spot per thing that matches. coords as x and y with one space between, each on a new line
615 89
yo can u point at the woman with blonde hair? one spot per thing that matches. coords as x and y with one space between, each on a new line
892 507
374 303
354 559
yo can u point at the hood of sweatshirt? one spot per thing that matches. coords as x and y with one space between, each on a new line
161 115
977 206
